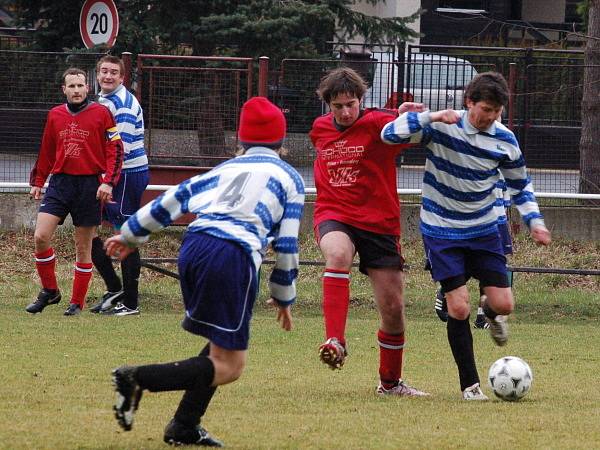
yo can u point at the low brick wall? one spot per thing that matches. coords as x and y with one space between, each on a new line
18 211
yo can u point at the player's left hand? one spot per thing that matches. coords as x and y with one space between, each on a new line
411 107
117 246
541 235
104 193
284 314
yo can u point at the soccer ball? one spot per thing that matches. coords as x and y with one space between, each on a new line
510 378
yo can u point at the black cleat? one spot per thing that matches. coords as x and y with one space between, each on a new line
441 307
129 394
45 297
480 322
178 434
73 310
108 300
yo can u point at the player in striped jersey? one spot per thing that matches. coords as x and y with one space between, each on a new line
121 299
502 206
467 153
242 206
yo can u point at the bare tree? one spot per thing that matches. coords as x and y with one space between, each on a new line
590 107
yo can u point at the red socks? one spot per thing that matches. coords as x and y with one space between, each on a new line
336 298
391 349
45 263
81 281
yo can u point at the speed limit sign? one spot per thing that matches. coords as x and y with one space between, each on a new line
99 23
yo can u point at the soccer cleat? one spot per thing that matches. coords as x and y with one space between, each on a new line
498 329
177 434
129 394
333 353
73 310
441 307
480 322
108 300
45 297
401 389
474 393
120 310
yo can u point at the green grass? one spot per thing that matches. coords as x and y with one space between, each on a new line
56 392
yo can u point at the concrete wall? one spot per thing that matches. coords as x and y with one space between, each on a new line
392 8
18 211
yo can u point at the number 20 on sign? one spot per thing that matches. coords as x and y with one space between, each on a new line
99 23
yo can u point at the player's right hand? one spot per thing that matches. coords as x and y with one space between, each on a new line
117 246
35 193
284 314
448 116
541 235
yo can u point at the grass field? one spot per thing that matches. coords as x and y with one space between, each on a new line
56 392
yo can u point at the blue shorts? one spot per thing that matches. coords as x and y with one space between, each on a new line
504 233
75 195
219 286
127 197
450 258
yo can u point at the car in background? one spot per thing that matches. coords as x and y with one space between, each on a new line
438 81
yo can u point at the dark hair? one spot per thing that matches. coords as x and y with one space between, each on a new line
73 71
342 80
488 86
113 60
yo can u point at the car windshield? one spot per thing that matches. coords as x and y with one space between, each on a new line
440 73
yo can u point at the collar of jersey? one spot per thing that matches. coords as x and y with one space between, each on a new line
121 86
470 129
261 151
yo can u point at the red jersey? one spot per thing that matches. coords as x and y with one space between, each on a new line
82 143
355 173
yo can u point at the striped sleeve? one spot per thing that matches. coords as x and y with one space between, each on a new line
520 189
159 214
408 128
282 282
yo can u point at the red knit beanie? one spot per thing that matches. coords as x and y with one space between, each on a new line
261 122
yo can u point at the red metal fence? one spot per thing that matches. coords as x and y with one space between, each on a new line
191 104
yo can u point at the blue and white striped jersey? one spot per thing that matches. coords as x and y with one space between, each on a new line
503 201
254 200
130 122
463 174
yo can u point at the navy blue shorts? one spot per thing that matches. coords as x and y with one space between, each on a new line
127 197
219 286
504 233
477 257
375 251
75 195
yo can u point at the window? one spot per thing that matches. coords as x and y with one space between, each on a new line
571 14
467 6
516 7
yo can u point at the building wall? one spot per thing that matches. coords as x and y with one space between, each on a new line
392 8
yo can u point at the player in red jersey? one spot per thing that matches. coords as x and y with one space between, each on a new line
357 211
80 143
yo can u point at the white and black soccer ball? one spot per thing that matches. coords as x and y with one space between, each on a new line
510 378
